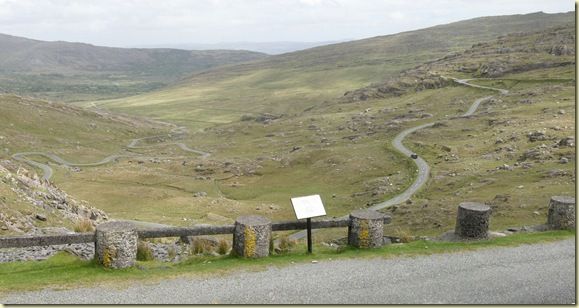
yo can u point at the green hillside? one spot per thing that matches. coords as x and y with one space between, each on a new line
77 71
341 148
31 125
290 83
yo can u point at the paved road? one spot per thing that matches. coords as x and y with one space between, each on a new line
529 274
422 166
47 170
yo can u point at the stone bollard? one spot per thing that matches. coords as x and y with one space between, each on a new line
561 213
116 244
251 236
472 220
366 229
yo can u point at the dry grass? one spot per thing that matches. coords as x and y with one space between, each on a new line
200 246
223 247
83 225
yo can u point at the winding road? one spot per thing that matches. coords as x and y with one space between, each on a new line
48 172
421 178
423 168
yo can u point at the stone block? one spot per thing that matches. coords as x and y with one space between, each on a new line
116 244
561 213
472 220
251 236
366 229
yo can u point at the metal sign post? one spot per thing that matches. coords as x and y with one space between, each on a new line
309 227
308 207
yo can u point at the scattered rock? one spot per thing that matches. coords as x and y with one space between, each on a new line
295 148
40 217
505 167
536 136
567 142
200 194
564 160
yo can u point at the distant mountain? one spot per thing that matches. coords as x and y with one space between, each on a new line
272 48
57 69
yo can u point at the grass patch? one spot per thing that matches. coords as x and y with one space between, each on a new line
144 252
66 271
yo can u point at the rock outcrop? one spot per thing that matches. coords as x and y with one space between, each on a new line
45 201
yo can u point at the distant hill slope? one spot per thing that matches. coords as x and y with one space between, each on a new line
292 82
272 48
64 70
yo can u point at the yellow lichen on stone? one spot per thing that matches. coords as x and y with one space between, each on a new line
250 242
107 258
364 234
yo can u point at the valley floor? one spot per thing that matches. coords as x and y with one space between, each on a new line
528 274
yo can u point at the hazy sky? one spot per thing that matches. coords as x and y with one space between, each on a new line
145 22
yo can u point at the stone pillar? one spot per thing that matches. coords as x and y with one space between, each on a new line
251 236
561 212
472 220
116 244
366 229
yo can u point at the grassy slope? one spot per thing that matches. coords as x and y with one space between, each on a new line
28 124
291 82
76 71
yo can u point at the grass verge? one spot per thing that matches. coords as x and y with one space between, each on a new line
66 271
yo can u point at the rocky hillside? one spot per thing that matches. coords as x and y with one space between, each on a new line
508 54
32 206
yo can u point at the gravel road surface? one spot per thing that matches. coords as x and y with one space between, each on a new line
528 274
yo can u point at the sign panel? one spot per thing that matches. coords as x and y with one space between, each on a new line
308 206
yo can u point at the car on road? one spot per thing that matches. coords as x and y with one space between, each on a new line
414 155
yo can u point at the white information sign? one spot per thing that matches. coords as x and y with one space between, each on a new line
308 206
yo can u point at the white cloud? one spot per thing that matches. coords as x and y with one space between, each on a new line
133 22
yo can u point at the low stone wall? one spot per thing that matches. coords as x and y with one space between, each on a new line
116 242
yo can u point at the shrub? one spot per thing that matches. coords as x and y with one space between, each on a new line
404 236
285 244
144 252
223 247
83 225
200 246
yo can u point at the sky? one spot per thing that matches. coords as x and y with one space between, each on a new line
125 23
